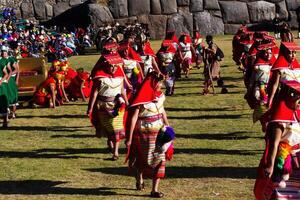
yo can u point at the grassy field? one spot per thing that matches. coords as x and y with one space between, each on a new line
52 153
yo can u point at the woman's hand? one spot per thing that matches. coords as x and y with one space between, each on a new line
128 143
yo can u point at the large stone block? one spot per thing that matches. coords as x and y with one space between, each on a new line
155 7
208 23
211 5
281 10
183 2
234 12
261 11
231 28
180 23
168 6
27 10
49 10
118 8
293 22
39 9
157 25
292 4
196 5
60 7
127 20
138 7
75 2
99 15
275 1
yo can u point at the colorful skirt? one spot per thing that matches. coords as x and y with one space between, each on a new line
107 124
12 91
144 153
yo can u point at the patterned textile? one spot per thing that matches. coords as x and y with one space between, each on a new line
144 153
291 191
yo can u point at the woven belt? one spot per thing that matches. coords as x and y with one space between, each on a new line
152 118
106 99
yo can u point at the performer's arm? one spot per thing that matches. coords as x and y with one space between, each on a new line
94 94
17 69
155 66
5 76
274 82
81 91
140 69
53 95
132 121
165 118
123 93
64 92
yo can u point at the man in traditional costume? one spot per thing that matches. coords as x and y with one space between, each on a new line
212 66
108 100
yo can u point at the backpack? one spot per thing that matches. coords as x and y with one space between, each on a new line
219 54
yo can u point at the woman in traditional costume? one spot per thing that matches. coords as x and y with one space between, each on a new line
3 93
282 132
14 66
257 96
165 57
147 116
108 100
81 85
131 67
186 50
197 42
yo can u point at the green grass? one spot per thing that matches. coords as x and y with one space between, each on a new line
52 154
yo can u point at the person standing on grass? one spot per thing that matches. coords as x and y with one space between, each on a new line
3 93
146 154
108 101
186 52
212 57
15 78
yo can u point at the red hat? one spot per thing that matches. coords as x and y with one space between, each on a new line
295 85
113 59
266 46
147 92
132 54
167 43
170 47
148 50
110 45
291 46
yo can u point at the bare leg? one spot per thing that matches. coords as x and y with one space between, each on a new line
5 121
116 149
274 134
155 184
139 180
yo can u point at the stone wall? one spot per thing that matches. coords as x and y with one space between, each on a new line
209 16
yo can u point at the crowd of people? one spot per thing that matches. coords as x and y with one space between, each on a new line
272 81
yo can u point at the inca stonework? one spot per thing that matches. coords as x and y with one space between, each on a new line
209 16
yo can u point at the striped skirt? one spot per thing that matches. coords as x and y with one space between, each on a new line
106 124
144 154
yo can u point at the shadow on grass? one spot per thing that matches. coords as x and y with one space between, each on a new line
38 187
56 153
217 151
218 136
186 94
81 136
206 117
54 116
201 109
47 128
191 172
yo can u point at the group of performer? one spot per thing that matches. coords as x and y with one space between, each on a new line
127 101
272 81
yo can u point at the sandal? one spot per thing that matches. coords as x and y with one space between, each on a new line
140 186
156 194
